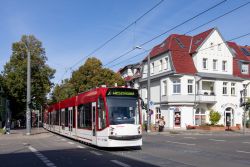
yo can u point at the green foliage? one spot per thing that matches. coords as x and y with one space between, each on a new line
88 76
15 74
1 131
214 117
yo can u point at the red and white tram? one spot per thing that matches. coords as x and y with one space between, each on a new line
106 117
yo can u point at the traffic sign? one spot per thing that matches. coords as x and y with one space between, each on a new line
151 105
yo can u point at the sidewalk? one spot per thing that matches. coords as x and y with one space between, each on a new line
21 133
199 132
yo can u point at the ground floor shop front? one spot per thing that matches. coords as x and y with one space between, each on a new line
180 116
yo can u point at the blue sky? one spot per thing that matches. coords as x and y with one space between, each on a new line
71 29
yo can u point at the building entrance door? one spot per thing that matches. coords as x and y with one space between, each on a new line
177 118
228 117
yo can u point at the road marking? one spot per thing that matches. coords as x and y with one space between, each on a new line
217 140
120 163
246 152
96 153
246 142
71 142
44 159
189 138
63 139
188 144
80 147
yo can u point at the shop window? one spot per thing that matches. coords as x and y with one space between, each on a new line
158 113
200 116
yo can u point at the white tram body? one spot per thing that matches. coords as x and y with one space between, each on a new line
105 117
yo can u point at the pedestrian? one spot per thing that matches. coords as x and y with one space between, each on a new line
8 124
161 124
156 124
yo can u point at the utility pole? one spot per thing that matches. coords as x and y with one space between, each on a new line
28 100
149 95
244 114
245 107
148 90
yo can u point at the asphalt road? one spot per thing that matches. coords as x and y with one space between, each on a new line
50 150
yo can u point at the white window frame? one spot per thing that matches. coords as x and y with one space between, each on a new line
152 68
204 63
224 65
215 64
224 88
164 88
219 47
190 86
244 68
176 86
166 63
158 113
160 66
212 46
233 89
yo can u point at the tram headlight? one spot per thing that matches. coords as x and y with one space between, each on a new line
139 129
111 130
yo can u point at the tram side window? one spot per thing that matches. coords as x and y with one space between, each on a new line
66 116
63 118
74 110
57 117
84 116
101 114
53 116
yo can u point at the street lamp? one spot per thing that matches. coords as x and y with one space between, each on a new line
28 100
148 89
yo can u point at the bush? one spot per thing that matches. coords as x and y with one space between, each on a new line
1 131
214 117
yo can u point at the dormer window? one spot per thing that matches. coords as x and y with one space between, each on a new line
198 41
244 68
162 44
179 43
245 51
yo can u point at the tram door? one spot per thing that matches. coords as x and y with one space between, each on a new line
70 119
94 122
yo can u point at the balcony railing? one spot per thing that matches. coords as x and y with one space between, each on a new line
206 97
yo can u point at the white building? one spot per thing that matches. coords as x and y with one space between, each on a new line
190 75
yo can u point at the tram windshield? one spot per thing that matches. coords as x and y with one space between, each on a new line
123 110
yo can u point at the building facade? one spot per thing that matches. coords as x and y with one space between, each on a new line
192 75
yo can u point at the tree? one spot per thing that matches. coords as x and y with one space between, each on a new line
88 76
214 117
63 91
15 74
